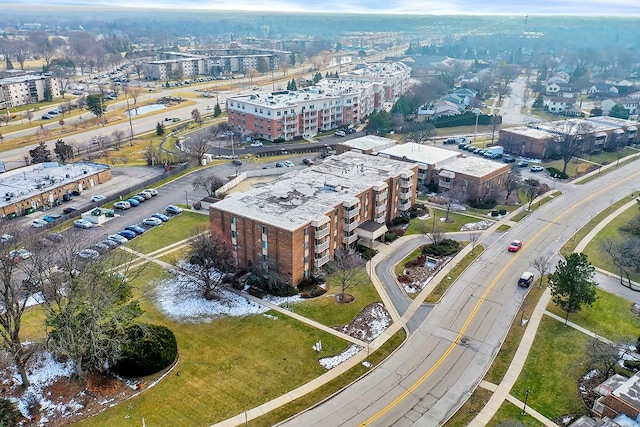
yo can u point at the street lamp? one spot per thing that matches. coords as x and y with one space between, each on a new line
287 295
477 113
186 198
526 397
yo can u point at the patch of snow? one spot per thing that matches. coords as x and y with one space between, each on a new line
43 371
333 361
366 364
480 225
270 316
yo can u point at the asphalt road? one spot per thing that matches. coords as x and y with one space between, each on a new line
425 381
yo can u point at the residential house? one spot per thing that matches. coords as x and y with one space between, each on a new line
559 76
439 108
558 89
630 104
602 90
559 104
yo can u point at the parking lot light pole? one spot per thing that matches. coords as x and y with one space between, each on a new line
186 198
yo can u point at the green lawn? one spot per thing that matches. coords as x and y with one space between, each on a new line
509 412
598 257
455 222
178 228
610 317
551 372
226 366
327 311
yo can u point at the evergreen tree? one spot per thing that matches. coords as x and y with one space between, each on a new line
63 151
539 102
40 154
159 129
217 111
95 105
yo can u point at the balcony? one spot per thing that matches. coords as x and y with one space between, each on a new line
404 205
350 226
321 247
349 239
381 196
405 196
444 184
322 232
319 262
351 213
406 183
381 208
380 219
422 176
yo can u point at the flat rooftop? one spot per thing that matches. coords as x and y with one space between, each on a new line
420 153
23 183
474 166
369 142
299 197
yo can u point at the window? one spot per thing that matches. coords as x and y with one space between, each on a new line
233 220
264 229
265 245
234 234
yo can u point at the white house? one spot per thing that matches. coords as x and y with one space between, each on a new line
630 104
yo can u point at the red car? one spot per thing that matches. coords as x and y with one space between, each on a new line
515 246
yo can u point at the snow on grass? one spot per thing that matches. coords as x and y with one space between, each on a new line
333 361
179 302
480 225
43 371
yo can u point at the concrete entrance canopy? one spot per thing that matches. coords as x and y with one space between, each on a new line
371 230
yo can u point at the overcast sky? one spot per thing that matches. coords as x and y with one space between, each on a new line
440 7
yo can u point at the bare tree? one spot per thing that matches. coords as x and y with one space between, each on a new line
625 255
210 260
531 190
199 145
345 266
473 240
134 92
512 182
252 73
14 294
29 115
118 138
418 133
197 116
603 356
569 138
209 183
542 264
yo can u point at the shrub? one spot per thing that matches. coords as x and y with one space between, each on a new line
277 140
632 365
313 292
9 415
432 187
150 349
557 173
366 253
390 237
443 248
503 212
401 220
494 213
482 203
400 231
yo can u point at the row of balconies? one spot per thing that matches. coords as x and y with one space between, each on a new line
321 247
320 261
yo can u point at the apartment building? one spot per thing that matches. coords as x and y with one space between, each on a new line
175 68
537 140
287 115
26 89
295 224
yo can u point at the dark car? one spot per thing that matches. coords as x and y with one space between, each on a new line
50 218
69 210
133 202
508 159
307 162
129 235
161 217
280 165
135 228
139 198
173 210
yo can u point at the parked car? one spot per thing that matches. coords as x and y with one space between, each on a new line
88 253
526 279
151 221
38 223
279 165
522 164
237 162
135 228
69 210
307 162
514 246
536 168
102 248
139 198
340 133
173 210
98 198
508 159
256 144
145 194
118 238
21 253
112 244
54 237
129 235
47 117
133 202
82 223
51 218
151 191
288 163
161 217
124 205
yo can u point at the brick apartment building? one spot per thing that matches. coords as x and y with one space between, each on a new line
537 141
22 88
295 223
332 103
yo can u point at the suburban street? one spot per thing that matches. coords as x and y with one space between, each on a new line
435 371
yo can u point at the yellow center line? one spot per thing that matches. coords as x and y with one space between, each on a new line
454 343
